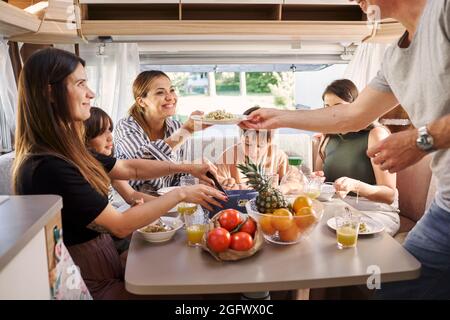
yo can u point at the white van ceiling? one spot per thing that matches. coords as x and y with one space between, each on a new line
205 31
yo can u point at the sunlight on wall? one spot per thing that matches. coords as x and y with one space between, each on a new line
310 85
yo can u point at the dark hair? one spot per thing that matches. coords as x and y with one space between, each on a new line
248 112
141 86
347 91
344 89
97 124
44 120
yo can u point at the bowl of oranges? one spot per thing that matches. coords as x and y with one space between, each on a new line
288 225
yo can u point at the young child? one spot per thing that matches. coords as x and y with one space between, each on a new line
99 139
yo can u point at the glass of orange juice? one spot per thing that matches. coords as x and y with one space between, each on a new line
347 226
196 226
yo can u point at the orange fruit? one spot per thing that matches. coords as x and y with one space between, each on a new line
303 222
306 211
290 234
266 225
282 219
302 202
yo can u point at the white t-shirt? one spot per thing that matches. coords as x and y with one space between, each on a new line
419 76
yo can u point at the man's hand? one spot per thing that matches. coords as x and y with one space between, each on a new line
263 119
397 152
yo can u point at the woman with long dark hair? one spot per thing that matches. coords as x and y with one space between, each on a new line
51 158
344 161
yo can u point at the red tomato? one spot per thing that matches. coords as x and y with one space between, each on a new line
218 239
249 226
229 219
241 241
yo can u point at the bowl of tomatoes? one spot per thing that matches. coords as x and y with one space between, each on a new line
233 236
288 225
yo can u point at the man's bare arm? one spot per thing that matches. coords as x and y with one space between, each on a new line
440 131
370 105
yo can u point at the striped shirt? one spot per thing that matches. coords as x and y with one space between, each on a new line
131 142
110 194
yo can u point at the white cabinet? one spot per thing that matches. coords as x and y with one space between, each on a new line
233 1
26 275
27 245
127 1
319 2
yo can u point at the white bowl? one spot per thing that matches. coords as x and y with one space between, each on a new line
175 223
327 192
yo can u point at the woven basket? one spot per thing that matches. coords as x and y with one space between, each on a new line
230 254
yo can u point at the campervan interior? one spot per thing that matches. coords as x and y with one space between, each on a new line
220 55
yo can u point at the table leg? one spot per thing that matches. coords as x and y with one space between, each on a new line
302 294
263 295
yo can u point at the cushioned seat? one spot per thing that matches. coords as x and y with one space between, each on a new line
406 224
6 162
416 190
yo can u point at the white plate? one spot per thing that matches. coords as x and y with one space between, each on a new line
372 226
237 118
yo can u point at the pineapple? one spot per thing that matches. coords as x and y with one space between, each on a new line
269 198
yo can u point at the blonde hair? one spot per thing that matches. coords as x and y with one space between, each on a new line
44 123
141 86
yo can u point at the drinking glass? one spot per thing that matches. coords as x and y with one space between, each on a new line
186 208
188 180
347 227
197 224
313 186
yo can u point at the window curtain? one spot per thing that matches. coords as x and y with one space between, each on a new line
8 99
111 69
365 64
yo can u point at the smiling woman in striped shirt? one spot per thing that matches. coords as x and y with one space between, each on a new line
149 132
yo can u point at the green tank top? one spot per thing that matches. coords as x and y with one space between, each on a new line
345 156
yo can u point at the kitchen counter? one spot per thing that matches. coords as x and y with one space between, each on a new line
21 218
27 245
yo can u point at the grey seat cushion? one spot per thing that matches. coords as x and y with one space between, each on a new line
6 162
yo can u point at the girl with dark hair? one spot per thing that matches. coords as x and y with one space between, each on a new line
149 132
98 139
259 147
344 161
51 158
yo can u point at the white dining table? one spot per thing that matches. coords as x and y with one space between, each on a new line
316 262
